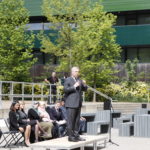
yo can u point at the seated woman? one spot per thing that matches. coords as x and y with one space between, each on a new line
25 121
16 126
45 124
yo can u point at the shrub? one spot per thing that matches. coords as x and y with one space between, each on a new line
138 92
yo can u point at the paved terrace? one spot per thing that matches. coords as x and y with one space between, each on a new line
125 143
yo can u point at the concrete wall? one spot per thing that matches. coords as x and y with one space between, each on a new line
88 107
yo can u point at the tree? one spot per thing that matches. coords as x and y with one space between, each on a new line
131 68
90 45
16 44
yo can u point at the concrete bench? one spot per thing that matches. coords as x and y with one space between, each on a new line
142 111
126 129
118 121
88 116
63 143
115 114
100 124
142 125
97 127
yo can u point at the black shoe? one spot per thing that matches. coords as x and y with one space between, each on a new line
72 139
77 135
80 139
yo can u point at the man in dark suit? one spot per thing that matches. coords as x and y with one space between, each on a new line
73 88
57 116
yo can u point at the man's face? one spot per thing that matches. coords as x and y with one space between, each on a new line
57 105
62 103
75 72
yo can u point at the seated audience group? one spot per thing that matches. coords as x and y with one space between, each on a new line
41 122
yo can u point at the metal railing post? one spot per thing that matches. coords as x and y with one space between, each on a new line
94 96
148 95
11 91
32 93
1 104
42 98
57 93
23 91
83 96
50 94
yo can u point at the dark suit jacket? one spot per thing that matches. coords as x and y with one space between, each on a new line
33 115
73 96
57 116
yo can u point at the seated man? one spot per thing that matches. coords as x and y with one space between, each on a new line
57 116
82 123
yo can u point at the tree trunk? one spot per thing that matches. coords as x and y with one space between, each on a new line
94 94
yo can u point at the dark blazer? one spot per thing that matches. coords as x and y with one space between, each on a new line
73 96
33 115
14 121
57 116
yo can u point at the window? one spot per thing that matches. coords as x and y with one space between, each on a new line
144 54
120 20
132 53
141 53
144 19
131 19
47 58
39 56
123 55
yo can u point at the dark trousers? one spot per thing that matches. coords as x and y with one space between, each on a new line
82 126
73 115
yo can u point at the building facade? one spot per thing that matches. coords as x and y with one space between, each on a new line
132 30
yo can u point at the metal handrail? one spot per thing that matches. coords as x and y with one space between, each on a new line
11 95
99 93
22 95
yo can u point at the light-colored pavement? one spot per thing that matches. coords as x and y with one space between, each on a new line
125 143
128 143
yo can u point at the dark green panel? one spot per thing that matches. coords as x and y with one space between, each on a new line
133 35
34 7
126 35
125 5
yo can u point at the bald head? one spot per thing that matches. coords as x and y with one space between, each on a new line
75 71
53 74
